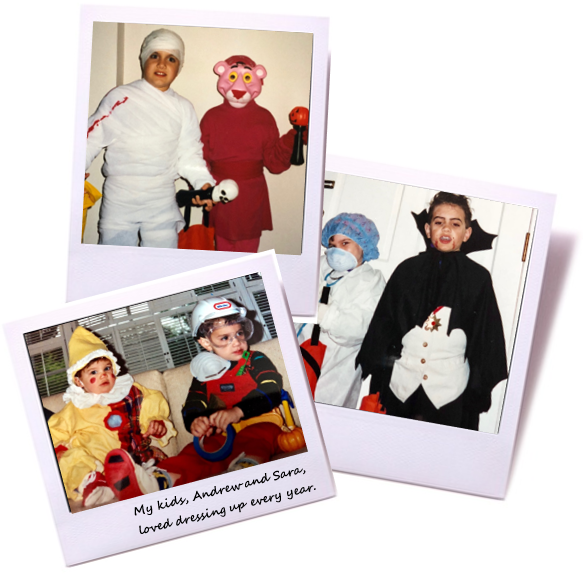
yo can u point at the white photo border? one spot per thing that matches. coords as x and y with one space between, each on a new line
428 454
101 537
132 265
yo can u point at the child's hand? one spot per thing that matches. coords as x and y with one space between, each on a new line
221 419
156 429
201 426
86 175
207 203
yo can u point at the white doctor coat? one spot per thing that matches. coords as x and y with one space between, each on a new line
351 304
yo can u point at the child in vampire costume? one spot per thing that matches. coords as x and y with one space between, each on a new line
240 139
435 347
152 137
349 292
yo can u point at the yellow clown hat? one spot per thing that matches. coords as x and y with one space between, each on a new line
84 347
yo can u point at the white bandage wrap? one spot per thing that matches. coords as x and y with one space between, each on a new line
165 40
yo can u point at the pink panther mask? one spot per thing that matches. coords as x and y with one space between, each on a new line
240 80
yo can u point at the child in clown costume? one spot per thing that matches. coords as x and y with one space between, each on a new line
104 413
240 139
152 137
230 384
349 292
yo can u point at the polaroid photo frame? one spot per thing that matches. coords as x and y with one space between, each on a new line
300 477
419 452
294 52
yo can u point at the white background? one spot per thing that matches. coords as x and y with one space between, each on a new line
484 90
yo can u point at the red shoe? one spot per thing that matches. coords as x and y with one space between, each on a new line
120 473
128 480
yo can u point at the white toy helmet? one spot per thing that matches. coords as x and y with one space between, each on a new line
225 191
216 307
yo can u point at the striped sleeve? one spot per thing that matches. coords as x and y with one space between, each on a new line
267 394
196 403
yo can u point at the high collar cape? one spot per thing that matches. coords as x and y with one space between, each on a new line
417 287
479 240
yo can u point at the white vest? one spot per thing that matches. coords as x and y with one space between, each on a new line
433 359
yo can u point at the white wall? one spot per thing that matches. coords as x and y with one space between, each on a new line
287 59
103 79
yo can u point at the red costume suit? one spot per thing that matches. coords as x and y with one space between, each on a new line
238 143
254 385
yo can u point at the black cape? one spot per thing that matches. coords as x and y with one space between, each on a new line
417 287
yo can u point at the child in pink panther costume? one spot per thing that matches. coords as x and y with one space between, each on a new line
240 139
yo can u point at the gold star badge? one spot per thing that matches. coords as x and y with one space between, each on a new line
432 323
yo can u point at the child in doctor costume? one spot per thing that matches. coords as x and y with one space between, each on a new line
354 289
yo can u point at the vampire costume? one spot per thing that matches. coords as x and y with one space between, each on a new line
435 346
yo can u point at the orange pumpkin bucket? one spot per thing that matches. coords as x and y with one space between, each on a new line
294 439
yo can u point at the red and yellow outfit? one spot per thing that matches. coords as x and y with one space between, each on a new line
88 434
252 384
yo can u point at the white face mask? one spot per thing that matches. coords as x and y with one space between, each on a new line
340 260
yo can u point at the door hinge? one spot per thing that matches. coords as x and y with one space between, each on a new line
525 250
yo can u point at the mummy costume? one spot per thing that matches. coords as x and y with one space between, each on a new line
151 137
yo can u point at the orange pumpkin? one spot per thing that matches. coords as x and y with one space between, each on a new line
291 440
299 116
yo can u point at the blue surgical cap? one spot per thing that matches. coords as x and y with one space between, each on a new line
358 228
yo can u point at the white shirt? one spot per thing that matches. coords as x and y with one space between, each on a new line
344 323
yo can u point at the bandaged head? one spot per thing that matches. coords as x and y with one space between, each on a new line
164 40
358 228
240 79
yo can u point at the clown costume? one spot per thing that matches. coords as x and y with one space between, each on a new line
93 424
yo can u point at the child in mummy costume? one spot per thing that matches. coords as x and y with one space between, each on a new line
152 137
435 347
105 414
349 292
